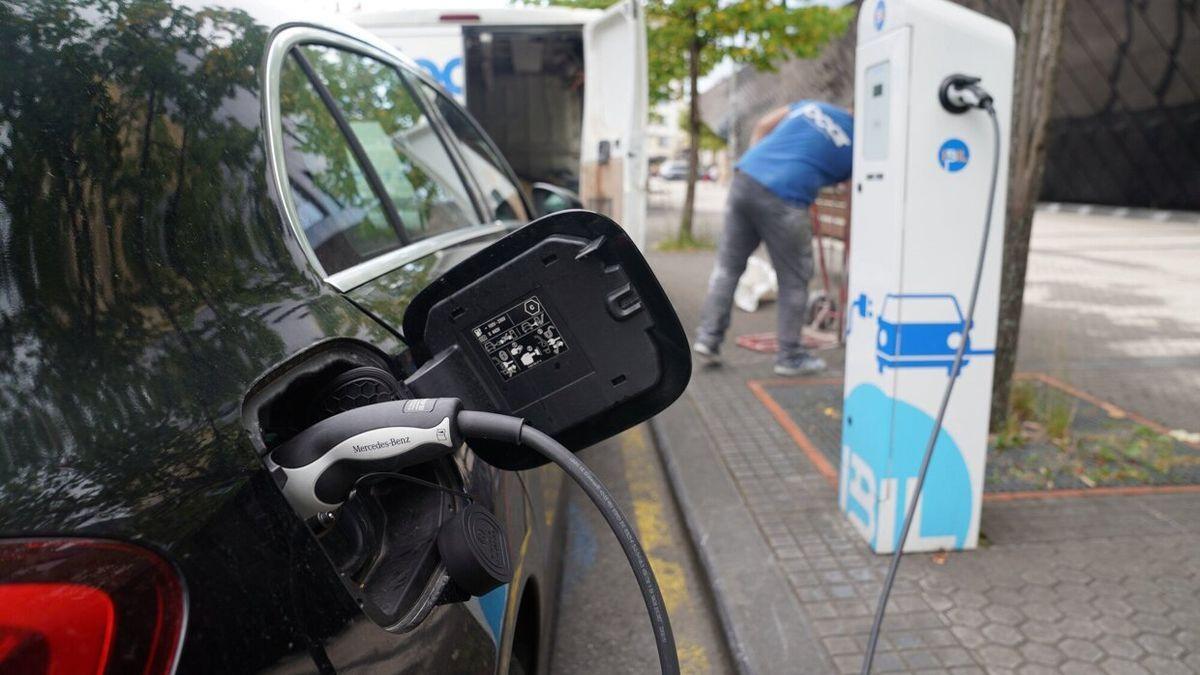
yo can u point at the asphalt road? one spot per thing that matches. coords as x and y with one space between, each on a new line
602 622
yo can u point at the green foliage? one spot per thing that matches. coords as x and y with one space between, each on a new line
1023 401
1041 444
759 33
683 242
1058 414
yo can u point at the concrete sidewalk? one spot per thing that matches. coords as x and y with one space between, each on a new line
1099 584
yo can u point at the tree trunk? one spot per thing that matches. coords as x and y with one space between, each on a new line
689 201
1038 46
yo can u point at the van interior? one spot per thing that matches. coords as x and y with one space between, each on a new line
525 86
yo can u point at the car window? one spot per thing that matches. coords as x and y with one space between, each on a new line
398 138
342 218
494 176
369 171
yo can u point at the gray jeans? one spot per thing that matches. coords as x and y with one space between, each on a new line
754 214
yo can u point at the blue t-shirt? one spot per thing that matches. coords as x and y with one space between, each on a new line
809 149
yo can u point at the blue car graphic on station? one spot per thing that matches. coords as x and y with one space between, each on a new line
921 330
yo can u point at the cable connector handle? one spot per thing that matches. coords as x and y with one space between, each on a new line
959 93
319 467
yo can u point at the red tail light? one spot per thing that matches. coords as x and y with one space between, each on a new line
74 606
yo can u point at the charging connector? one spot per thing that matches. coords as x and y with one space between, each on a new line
318 468
960 93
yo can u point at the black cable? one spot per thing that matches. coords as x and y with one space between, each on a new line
873 641
510 429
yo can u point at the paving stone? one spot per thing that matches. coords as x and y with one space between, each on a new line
1120 646
1003 635
1113 606
1081 650
1117 626
920 659
995 656
1161 665
1008 616
971 638
1159 645
961 616
1038 631
1080 628
1154 623
1043 654
1036 669
1041 611
838 645
1080 668
1115 666
953 656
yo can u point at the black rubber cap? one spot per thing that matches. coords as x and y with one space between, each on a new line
354 388
474 550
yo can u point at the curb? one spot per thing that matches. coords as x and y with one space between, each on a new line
662 445
763 623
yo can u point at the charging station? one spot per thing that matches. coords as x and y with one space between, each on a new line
921 180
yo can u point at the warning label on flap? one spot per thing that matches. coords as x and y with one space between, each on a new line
520 338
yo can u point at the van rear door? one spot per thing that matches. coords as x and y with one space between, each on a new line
612 158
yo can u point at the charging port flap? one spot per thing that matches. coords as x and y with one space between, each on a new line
561 322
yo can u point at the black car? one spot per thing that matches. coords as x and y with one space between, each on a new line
212 220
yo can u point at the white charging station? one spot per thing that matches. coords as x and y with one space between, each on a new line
921 183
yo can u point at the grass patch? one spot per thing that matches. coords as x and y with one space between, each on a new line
1042 443
684 243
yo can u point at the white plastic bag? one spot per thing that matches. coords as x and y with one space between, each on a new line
758 283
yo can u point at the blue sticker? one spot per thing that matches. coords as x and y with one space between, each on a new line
928 341
953 155
443 74
880 15
883 441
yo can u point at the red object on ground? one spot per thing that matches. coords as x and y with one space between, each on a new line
768 343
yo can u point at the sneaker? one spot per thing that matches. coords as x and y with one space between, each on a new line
805 364
707 355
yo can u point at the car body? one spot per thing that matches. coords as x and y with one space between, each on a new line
919 330
208 213
675 169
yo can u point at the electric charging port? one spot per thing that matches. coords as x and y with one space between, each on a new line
383 542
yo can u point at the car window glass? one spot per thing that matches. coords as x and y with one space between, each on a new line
502 194
398 138
342 218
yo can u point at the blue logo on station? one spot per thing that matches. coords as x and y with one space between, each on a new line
953 155
880 15
883 439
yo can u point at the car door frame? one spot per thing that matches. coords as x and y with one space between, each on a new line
356 275
347 280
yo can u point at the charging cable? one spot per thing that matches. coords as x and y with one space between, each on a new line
319 467
492 426
958 94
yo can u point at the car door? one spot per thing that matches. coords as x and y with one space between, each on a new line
383 203
615 105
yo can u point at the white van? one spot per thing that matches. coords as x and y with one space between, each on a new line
562 92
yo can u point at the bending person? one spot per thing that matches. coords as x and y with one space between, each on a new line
795 151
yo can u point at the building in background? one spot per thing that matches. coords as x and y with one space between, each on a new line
1125 129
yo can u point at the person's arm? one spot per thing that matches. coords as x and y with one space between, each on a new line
768 123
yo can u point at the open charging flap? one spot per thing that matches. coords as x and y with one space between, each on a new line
562 323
